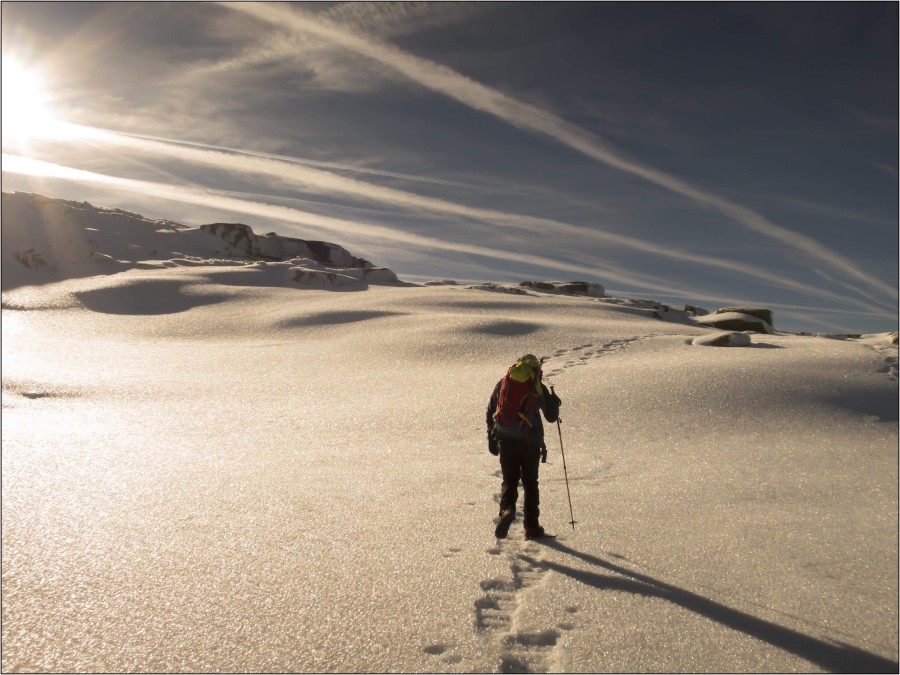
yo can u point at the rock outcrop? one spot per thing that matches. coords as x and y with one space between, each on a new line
758 312
739 319
243 241
588 288
693 310
46 240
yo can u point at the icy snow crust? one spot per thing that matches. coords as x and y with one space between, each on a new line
206 469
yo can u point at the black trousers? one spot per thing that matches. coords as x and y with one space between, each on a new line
520 461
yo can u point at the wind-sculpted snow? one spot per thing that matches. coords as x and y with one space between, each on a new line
724 339
205 469
210 467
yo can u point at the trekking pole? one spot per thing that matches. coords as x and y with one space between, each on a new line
565 471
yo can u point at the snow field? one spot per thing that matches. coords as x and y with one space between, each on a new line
298 480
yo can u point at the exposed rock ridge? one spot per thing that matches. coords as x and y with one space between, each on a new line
46 240
244 241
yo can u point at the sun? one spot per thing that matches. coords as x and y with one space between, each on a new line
27 108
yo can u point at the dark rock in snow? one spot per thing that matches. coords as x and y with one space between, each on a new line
588 288
760 313
695 311
243 241
736 321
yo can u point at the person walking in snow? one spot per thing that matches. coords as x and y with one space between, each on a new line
516 434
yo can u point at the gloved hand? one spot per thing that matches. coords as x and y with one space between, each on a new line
493 446
556 398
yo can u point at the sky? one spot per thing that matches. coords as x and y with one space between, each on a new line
704 153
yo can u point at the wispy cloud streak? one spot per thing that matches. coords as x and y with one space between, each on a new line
294 175
305 162
224 201
890 170
522 115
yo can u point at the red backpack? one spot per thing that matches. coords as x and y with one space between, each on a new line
515 406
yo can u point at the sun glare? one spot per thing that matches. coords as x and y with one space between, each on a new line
27 107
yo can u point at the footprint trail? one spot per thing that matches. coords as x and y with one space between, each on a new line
581 355
497 611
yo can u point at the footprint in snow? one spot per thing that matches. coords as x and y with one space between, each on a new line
584 356
440 649
520 651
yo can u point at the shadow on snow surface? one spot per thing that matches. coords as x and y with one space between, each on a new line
832 656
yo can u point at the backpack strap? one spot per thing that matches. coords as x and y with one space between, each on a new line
528 405
501 400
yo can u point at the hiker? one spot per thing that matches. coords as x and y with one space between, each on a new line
516 434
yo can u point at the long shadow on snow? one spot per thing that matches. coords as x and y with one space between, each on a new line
834 657
147 297
331 318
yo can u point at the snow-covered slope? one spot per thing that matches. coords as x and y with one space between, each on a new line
51 239
208 468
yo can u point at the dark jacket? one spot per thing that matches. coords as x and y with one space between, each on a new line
547 403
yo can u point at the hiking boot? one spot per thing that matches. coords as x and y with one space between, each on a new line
507 515
534 532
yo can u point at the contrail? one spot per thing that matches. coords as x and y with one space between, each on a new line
450 83
302 161
240 161
227 201
224 201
